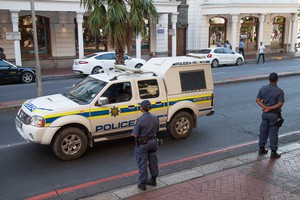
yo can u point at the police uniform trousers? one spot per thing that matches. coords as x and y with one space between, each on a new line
268 128
145 153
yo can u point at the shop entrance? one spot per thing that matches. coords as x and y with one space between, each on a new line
249 32
217 31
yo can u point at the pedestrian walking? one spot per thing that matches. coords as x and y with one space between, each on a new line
146 145
261 52
271 99
2 54
242 48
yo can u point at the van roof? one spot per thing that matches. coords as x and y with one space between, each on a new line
161 65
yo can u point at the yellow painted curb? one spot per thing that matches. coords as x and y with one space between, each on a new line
278 58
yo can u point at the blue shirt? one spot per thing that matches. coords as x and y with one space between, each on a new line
271 94
146 126
241 45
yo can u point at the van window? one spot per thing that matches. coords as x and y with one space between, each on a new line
192 81
148 89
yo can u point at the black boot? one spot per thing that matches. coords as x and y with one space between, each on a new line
142 186
152 181
262 151
274 155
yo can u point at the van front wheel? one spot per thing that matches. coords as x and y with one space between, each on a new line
181 125
69 143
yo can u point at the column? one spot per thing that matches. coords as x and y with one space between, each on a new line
294 32
174 34
234 21
162 34
79 19
17 47
261 28
138 48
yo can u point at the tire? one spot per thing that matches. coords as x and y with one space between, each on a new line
181 125
138 66
69 143
215 63
97 70
27 77
239 61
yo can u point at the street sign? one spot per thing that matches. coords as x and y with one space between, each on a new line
13 35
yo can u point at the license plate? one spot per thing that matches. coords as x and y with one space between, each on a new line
18 123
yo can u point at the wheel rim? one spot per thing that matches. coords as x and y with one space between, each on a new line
215 63
182 126
27 77
71 144
97 70
239 61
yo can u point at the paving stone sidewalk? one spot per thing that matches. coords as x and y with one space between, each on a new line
265 179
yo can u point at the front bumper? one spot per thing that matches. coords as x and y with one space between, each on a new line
41 135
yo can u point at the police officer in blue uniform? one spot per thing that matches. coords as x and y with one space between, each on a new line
271 99
146 145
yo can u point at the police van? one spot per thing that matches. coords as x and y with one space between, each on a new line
106 106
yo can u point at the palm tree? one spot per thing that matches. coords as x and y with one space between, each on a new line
121 20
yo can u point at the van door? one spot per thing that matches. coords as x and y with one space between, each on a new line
116 118
153 89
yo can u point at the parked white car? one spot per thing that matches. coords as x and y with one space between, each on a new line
102 61
219 56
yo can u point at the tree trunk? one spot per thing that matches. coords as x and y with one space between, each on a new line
120 56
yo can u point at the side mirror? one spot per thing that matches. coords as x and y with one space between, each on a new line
101 101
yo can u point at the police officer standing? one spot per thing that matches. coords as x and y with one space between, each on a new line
146 145
271 99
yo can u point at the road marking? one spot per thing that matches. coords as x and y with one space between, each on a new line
135 172
263 68
12 145
219 73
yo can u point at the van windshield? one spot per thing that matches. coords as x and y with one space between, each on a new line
87 89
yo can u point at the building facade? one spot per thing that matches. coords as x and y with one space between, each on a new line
183 26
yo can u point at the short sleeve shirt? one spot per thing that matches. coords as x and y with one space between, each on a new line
271 94
146 126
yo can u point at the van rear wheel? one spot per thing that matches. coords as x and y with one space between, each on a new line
69 143
181 125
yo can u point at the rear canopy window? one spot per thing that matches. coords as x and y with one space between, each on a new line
192 81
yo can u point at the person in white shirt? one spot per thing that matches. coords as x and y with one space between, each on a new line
261 52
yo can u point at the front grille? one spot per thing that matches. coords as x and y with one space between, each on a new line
23 117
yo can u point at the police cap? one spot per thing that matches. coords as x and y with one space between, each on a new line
146 105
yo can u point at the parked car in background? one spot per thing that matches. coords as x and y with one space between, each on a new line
11 73
219 56
102 61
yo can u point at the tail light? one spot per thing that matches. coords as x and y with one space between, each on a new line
209 55
212 99
83 62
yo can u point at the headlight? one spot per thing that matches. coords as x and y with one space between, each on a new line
37 121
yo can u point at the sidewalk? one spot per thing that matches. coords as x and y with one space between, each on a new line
243 177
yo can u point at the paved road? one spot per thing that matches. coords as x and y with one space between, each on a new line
28 166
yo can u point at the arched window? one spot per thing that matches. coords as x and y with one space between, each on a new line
43 35
277 32
249 33
217 31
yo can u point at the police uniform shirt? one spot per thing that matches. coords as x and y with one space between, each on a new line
271 94
147 125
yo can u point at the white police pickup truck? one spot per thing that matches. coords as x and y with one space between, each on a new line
105 106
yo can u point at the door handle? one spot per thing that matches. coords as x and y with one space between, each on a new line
158 103
131 106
